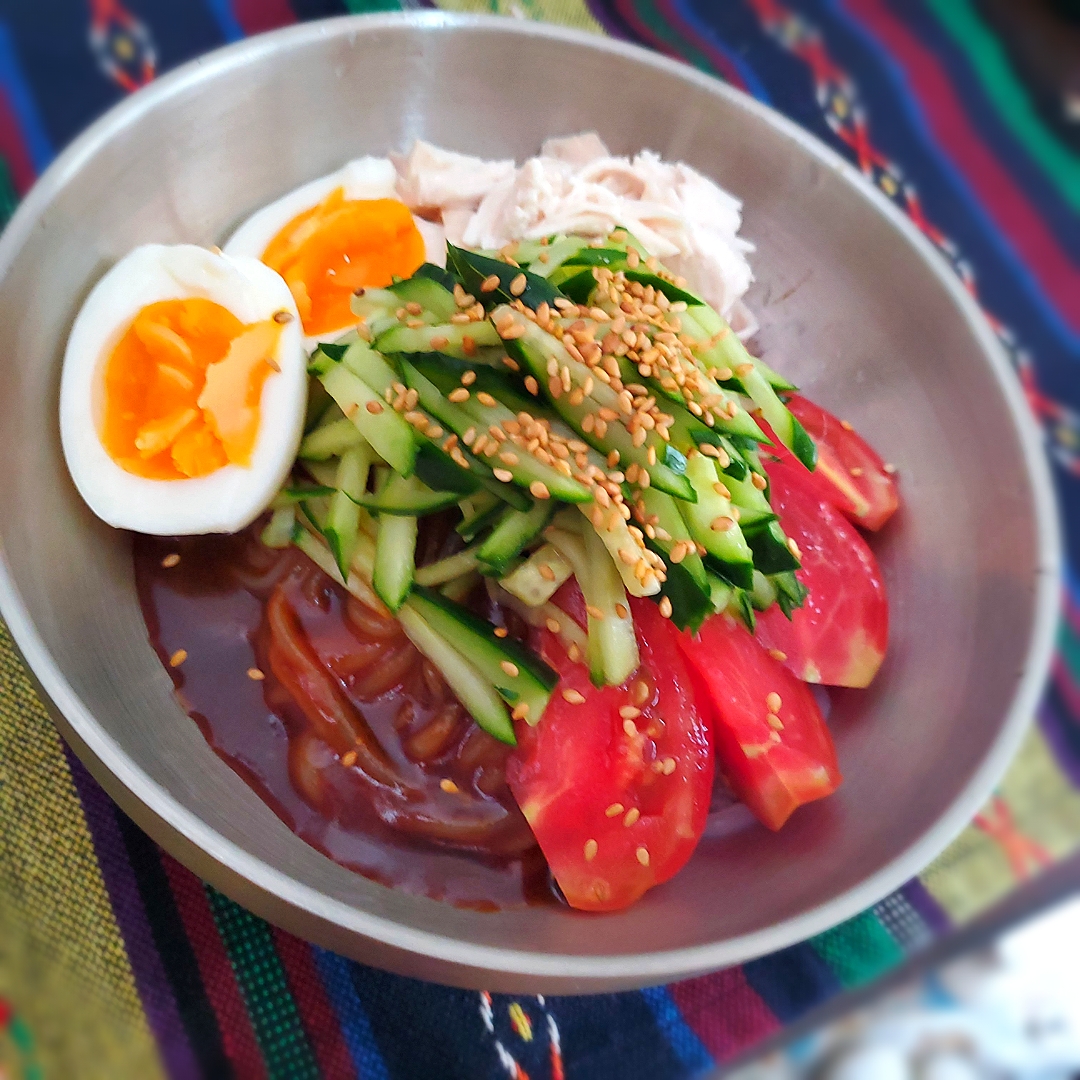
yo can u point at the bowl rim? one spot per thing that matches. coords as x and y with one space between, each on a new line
185 833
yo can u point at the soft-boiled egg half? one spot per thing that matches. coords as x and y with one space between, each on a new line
183 391
343 232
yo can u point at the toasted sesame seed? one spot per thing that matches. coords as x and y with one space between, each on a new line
573 652
449 786
458 394
501 631
517 286
642 855
352 409
889 467
553 624
468 345
629 712
282 317
794 548
548 575
665 606
509 457
630 728
574 697
591 847
631 816
505 475
774 721
178 658
722 524
486 399
856 470
773 702
490 283
374 407
170 561
614 810
348 759
778 654
846 425
594 612
521 711
758 481
539 489
640 692
255 674
744 369
669 766
722 490
510 668
622 611
532 385
469 436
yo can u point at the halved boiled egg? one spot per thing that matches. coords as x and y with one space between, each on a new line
183 391
343 232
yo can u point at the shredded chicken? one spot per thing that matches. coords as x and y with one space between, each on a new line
576 185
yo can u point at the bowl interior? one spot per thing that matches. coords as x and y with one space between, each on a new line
850 307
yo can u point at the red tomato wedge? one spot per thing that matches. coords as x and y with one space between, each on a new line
775 754
838 637
617 799
849 474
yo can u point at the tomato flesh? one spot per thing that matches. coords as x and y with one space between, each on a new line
839 635
776 756
849 475
617 802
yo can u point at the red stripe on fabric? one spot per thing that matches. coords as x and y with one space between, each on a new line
1004 201
316 1013
721 63
216 971
254 16
725 1012
13 148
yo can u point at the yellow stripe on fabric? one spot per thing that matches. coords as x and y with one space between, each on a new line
564 12
63 966
1039 815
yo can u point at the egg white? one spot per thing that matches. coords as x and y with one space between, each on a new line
233 496
363 178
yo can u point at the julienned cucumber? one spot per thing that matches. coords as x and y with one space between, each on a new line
471 688
395 559
330 441
449 338
522 679
343 521
538 578
714 324
391 437
433 297
712 523
407 496
476 270
515 529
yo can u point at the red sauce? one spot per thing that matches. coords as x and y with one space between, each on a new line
424 807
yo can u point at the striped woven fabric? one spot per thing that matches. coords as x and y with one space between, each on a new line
117 962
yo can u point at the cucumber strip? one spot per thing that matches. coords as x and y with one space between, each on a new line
475 415
788 429
407 496
324 473
458 590
330 441
476 693
477 513
453 566
447 338
515 530
279 529
732 602
662 512
737 463
438 470
388 433
475 269
557 254
371 304
290 496
751 501
713 323
316 511
317 551
769 545
763 592
728 547
395 559
543 615
539 577
536 348
521 678
435 299
612 650
791 593
319 404
614 532
343 521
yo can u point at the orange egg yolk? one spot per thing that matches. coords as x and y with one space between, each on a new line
182 389
328 252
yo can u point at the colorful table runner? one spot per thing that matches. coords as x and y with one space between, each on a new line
117 962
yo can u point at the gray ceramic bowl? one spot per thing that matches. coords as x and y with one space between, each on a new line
853 303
